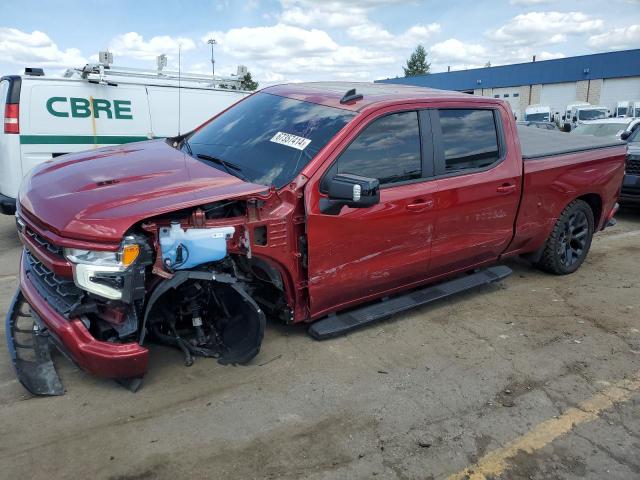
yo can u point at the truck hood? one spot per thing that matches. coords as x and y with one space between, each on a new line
99 194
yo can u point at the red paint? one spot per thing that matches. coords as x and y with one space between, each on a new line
419 233
99 195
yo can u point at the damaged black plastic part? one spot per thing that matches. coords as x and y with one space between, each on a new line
30 349
236 343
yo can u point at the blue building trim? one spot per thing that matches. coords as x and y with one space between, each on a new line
586 67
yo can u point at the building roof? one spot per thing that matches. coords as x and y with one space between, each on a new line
624 63
330 93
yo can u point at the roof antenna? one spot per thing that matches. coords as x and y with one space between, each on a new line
351 96
179 89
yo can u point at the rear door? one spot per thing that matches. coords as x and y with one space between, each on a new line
10 168
362 253
478 187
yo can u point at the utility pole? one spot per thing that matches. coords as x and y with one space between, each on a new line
212 42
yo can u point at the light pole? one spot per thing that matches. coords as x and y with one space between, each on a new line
212 42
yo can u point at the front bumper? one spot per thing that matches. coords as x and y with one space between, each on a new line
104 359
630 189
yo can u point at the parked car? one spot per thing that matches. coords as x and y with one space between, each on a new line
45 117
337 204
630 193
617 127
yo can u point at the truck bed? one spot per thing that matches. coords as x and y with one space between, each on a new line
537 143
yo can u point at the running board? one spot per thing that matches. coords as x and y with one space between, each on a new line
341 323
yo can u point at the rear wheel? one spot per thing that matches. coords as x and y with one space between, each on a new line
570 240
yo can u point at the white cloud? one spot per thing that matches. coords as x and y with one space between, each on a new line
457 54
542 28
460 55
293 52
133 45
330 13
616 39
36 49
373 34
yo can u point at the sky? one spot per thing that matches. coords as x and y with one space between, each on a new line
303 40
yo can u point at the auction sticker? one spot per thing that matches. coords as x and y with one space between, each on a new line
290 140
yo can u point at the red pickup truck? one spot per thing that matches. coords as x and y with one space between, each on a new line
332 203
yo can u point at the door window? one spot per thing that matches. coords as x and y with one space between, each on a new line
388 149
469 139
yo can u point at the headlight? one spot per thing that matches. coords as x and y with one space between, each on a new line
102 272
122 258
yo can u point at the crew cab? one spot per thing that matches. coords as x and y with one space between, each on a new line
333 204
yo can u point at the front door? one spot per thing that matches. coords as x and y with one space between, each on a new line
362 253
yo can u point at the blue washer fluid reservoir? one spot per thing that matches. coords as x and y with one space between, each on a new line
187 249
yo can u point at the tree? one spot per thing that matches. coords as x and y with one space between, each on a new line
417 63
247 82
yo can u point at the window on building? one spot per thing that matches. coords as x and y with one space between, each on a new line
506 95
516 94
469 139
496 96
388 149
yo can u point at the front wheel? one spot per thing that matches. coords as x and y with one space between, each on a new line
570 240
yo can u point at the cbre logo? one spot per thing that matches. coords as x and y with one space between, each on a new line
83 108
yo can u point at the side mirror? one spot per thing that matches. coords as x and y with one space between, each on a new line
575 119
625 135
564 117
610 116
353 191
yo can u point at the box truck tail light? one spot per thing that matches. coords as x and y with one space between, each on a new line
11 115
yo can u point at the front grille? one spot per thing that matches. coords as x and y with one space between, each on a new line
633 165
44 244
59 292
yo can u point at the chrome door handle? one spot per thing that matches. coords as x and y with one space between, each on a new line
506 188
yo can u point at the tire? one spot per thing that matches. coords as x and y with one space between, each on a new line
570 240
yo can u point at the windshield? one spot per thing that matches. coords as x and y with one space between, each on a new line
267 139
591 114
536 117
600 129
621 111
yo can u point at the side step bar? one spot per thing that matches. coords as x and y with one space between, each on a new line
341 323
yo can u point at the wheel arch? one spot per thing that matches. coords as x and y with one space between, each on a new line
595 203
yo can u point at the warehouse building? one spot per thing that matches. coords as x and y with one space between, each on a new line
600 79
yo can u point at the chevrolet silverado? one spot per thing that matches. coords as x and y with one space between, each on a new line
329 203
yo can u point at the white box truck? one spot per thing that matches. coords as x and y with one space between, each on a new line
45 117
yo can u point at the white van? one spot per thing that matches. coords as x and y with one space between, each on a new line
623 109
576 113
537 113
44 117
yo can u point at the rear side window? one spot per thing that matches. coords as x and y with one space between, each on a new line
469 139
388 149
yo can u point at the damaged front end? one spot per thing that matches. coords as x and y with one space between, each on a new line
186 280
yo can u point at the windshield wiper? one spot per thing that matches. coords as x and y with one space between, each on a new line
185 143
228 166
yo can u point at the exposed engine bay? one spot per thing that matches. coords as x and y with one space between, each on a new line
204 305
